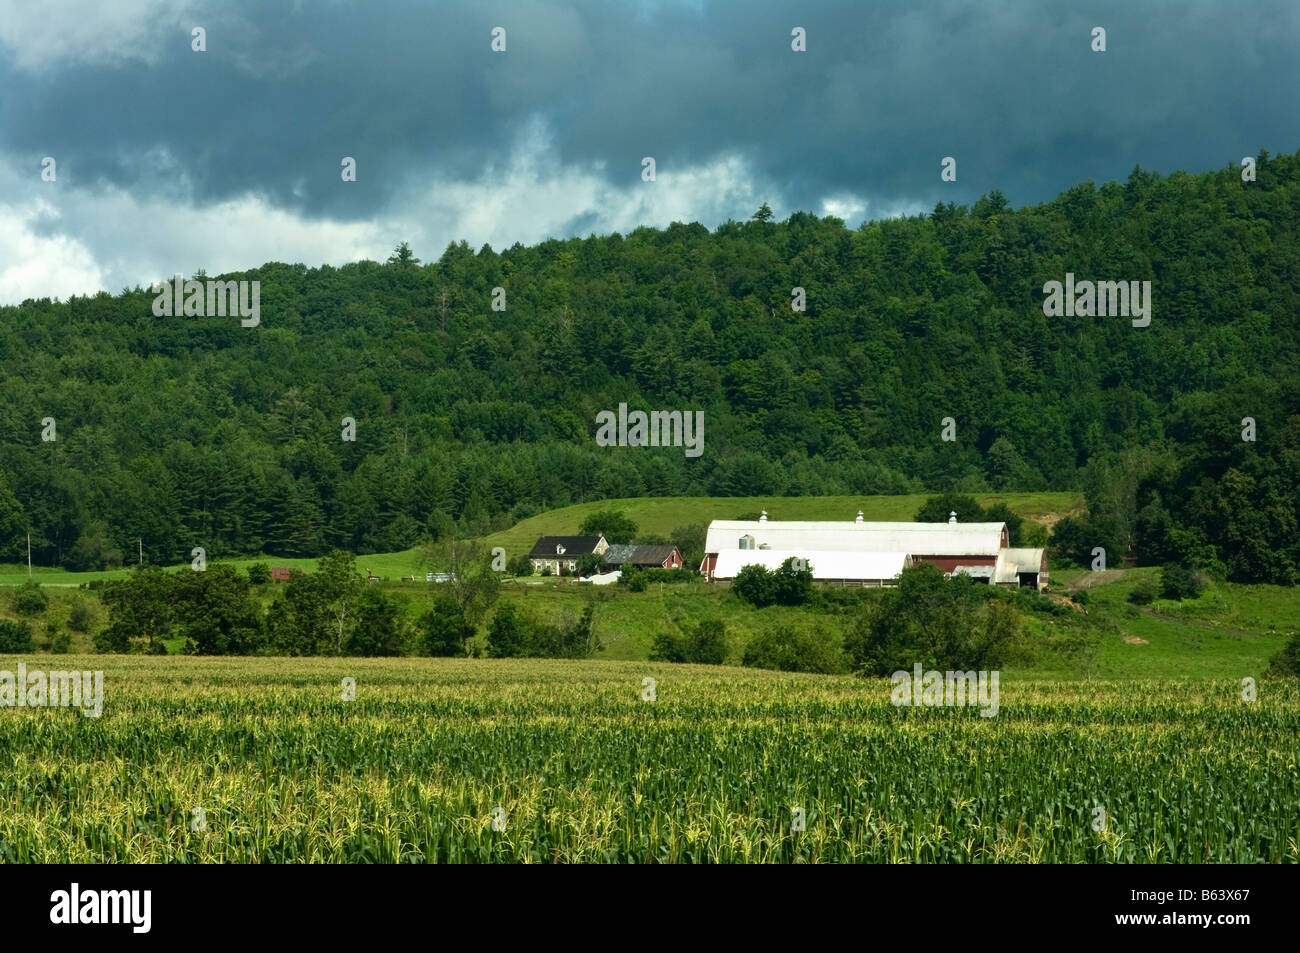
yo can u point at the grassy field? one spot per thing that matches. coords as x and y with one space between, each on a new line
716 769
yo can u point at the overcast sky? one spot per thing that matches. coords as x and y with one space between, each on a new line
171 160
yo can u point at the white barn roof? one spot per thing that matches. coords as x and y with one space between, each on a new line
1012 561
936 539
824 564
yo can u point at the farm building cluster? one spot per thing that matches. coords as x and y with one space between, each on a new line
858 553
848 553
561 555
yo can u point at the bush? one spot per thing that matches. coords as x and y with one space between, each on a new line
1143 594
755 585
515 633
668 647
797 650
15 637
1179 583
946 624
794 586
786 586
1080 597
1074 538
708 643
443 629
634 579
1030 600
508 635
81 618
31 599
613 524
521 565
705 644
381 625
61 643
1287 661
259 574
689 541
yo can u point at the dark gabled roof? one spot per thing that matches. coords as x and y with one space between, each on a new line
573 546
638 555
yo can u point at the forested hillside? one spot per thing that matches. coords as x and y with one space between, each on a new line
195 431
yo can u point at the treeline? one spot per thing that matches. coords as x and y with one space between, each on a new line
332 611
171 433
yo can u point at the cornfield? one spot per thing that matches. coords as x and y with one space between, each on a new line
457 760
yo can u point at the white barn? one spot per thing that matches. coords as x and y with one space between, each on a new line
856 552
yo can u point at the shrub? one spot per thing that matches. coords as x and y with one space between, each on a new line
690 543
508 634
948 624
381 625
797 650
81 618
31 599
259 574
613 524
516 633
786 586
755 585
705 644
570 638
15 636
1179 583
708 643
589 564
634 579
61 643
443 629
521 565
668 647
793 586
1287 661
1074 538
1080 597
1143 594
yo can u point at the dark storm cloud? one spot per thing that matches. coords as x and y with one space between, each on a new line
1012 90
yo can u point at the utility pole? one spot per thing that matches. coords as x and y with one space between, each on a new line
29 555
141 542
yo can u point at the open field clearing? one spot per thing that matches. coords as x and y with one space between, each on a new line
715 769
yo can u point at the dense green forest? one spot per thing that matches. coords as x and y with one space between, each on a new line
195 431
